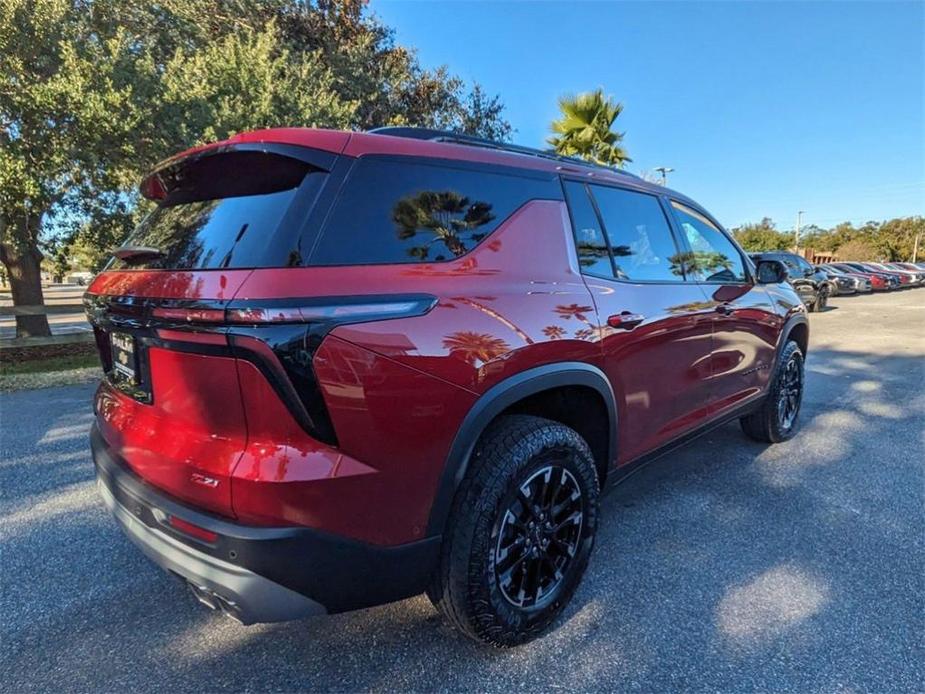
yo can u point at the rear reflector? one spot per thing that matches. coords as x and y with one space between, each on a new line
192 530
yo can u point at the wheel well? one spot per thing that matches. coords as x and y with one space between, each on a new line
800 334
578 407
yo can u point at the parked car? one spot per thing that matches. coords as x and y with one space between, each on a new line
891 279
917 276
906 280
863 284
810 284
839 283
347 368
920 267
81 279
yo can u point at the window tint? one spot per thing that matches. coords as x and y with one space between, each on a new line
712 256
223 211
398 212
793 266
640 238
593 256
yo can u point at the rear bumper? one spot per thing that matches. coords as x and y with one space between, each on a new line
240 593
259 574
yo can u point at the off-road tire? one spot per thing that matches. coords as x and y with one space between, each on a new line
765 424
466 587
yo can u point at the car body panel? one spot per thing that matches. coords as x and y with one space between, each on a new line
660 369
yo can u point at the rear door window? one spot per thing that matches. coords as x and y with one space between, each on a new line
641 241
393 211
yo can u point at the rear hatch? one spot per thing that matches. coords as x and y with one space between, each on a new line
171 404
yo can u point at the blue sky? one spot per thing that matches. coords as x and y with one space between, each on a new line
763 108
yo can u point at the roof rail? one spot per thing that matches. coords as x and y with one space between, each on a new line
434 135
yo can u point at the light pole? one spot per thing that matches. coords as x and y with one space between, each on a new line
664 171
796 232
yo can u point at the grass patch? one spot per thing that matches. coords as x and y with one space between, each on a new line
63 363
49 372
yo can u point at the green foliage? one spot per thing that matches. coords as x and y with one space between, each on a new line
859 249
893 240
762 236
585 129
95 92
244 81
890 240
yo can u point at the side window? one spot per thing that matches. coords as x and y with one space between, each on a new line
793 267
393 211
640 238
712 256
593 256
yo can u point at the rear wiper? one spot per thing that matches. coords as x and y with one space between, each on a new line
137 252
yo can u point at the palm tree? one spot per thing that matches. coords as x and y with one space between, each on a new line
585 129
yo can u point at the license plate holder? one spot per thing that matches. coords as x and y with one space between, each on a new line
124 357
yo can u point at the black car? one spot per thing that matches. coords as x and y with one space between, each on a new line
811 284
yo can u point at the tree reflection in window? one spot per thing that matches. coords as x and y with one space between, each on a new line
176 231
589 255
713 257
450 219
713 266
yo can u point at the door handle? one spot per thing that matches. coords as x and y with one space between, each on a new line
625 320
725 309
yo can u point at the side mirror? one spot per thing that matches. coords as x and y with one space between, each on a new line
771 272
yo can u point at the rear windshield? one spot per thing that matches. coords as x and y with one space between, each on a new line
226 211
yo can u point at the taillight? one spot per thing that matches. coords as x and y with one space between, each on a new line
190 315
280 336
333 310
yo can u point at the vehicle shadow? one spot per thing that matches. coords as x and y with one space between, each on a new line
726 565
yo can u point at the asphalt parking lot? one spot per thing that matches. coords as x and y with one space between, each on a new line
726 566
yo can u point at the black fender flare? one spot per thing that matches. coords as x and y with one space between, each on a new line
497 399
798 318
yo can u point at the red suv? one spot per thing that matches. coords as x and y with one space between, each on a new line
347 368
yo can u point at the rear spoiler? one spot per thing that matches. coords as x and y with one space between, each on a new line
166 175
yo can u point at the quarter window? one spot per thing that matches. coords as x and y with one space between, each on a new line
401 212
590 242
712 257
641 242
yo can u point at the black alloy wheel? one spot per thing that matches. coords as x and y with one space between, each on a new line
790 393
538 537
